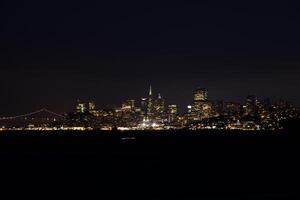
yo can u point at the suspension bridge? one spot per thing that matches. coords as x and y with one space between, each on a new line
43 110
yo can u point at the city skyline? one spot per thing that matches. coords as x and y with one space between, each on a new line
59 96
150 99
53 52
155 112
181 107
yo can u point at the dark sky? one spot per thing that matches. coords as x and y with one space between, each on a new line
55 52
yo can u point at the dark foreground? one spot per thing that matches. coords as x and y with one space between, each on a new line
145 165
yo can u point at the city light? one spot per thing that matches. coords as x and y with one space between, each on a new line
153 113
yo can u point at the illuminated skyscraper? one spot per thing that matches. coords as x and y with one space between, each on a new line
92 106
128 106
150 103
81 107
172 112
232 109
150 91
144 107
202 107
251 107
200 94
131 102
159 106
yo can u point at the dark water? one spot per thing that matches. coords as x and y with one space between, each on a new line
145 165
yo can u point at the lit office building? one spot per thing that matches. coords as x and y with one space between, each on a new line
92 106
159 106
232 109
128 106
172 112
202 108
219 107
81 107
200 94
144 106
251 107
207 110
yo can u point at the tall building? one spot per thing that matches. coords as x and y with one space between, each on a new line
232 109
219 107
202 108
159 106
144 106
150 104
129 105
81 107
251 107
92 106
200 94
86 107
172 112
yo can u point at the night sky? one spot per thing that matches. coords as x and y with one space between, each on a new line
55 52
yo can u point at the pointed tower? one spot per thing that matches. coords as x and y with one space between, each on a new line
159 105
150 103
150 91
